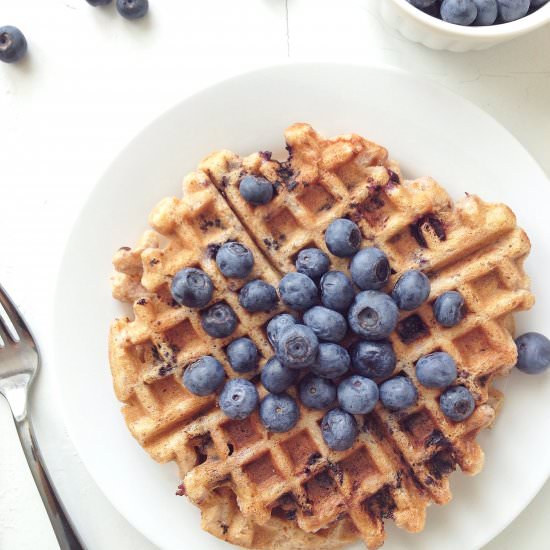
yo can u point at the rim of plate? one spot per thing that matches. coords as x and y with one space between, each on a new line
108 493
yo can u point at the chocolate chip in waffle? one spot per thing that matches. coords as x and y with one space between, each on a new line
253 486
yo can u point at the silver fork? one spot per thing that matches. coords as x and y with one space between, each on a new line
19 363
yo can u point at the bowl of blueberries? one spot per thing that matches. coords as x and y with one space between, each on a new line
463 25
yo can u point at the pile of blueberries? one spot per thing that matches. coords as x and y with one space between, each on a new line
346 382
478 12
13 44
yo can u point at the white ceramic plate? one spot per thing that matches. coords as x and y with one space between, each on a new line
429 130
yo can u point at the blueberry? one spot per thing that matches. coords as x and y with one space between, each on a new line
256 190
277 324
398 393
510 10
339 429
192 287
238 398
317 392
459 12
277 378
312 262
449 308
487 12
219 320
257 295
373 315
411 290
370 269
298 291
279 412
422 4
297 347
537 3
235 260
457 403
13 44
327 324
132 9
533 353
98 2
243 355
333 361
436 370
373 359
343 238
336 291
204 376
357 394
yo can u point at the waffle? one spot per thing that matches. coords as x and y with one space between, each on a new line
289 491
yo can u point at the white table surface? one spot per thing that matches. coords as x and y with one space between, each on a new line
91 82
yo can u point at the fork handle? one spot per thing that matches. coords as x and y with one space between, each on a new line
64 531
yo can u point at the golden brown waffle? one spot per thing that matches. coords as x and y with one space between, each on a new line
318 184
289 491
149 353
222 517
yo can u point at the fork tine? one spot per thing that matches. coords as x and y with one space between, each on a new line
21 329
4 335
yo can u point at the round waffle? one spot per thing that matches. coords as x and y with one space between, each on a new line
289 490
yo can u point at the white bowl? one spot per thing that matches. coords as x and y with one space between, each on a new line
434 33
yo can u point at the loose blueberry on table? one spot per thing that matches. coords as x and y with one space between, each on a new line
533 353
132 9
13 44
478 12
